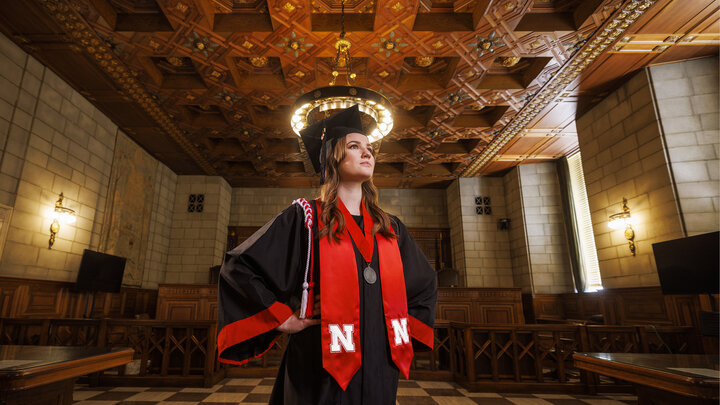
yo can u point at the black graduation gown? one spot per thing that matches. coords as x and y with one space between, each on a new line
260 285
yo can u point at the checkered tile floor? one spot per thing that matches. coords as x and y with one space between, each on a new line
257 391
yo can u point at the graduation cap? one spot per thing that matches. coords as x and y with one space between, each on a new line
322 135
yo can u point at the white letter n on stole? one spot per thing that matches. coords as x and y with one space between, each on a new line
400 331
344 337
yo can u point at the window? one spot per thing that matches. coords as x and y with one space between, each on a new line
588 253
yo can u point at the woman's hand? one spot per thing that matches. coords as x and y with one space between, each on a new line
294 324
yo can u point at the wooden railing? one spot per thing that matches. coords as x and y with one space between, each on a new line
529 357
539 357
182 353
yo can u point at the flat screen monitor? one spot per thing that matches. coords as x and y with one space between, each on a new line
100 272
689 265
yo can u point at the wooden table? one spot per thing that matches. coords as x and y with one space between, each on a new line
46 374
659 377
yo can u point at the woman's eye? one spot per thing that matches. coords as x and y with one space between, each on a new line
353 146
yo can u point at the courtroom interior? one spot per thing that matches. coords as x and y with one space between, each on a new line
550 157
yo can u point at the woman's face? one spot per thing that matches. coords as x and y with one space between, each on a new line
359 162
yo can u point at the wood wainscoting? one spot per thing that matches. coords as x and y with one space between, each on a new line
27 298
480 305
619 306
187 302
183 302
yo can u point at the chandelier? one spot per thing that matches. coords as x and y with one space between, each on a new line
336 97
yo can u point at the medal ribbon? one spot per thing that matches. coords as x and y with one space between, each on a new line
364 243
340 301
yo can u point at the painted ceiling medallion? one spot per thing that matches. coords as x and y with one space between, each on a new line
486 45
259 61
174 60
397 7
294 44
435 133
289 7
227 96
181 7
510 61
438 44
456 97
424 61
390 44
200 44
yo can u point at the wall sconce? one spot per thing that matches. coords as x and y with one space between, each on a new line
59 215
624 220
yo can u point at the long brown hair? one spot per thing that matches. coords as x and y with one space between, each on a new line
331 214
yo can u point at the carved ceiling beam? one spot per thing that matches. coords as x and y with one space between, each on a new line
610 32
86 38
207 11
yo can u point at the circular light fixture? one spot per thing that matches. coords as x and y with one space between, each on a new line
329 98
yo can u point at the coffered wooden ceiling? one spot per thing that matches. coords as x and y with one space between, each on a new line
478 86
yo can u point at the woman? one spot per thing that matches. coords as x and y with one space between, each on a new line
376 290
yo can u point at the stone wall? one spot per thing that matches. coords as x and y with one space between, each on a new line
455 221
522 277
623 156
160 224
256 206
52 141
487 261
198 239
416 208
545 230
686 96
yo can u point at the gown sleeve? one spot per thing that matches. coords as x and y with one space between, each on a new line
421 289
258 287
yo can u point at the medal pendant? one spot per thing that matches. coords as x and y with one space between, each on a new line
370 275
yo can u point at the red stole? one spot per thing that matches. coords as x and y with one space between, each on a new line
340 301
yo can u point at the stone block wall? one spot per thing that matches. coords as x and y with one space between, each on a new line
545 230
623 156
256 206
57 142
455 221
420 208
52 141
487 261
522 277
20 78
686 96
160 224
198 239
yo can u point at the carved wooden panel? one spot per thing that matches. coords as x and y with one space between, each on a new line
187 302
435 244
53 299
453 313
480 305
496 314
626 306
542 306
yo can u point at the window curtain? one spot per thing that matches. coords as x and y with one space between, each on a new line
571 225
